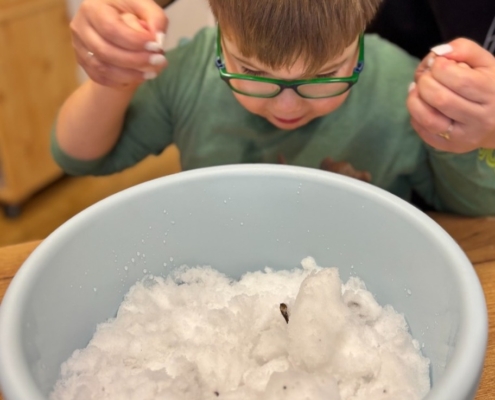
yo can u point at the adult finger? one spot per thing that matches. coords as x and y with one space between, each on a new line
106 21
430 119
121 58
446 101
463 51
462 79
439 142
108 75
466 51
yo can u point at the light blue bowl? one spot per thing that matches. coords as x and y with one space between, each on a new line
238 219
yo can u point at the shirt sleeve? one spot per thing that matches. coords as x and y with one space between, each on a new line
147 130
458 183
158 110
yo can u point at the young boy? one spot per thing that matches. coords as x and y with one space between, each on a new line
288 68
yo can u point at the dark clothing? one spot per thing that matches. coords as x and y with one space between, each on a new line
418 25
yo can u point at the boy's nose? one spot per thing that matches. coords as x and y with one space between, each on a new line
287 101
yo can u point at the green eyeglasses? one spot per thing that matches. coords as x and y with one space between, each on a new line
317 88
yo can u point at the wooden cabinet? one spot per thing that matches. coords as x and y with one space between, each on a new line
37 72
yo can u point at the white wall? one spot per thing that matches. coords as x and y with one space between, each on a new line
186 17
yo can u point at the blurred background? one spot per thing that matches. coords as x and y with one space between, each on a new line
38 71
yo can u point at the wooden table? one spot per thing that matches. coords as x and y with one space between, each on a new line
476 236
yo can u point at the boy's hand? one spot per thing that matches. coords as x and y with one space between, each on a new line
119 43
452 102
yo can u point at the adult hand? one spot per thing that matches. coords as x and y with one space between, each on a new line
452 101
119 43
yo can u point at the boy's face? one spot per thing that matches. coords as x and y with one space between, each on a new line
288 110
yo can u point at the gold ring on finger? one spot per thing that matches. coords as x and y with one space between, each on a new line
446 134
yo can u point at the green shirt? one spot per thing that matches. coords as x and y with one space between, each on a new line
190 106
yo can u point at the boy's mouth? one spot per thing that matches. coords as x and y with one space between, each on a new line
288 121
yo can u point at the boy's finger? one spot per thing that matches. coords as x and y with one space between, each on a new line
134 22
466 51
110 26
462 79
140 25
421 68
152 14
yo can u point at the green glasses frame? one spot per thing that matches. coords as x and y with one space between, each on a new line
286 84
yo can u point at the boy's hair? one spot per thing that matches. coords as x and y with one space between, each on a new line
279 32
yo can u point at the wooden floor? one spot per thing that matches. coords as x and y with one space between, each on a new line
50 208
